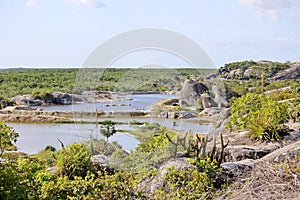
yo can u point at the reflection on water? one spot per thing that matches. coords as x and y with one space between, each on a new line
35 137
138 102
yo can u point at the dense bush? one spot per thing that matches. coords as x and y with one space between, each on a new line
262 116
74 160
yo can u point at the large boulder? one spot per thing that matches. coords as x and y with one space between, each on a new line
221 98
26 100
100 160
191 93
207 101
176 164
293 72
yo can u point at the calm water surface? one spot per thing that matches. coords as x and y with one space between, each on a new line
35 137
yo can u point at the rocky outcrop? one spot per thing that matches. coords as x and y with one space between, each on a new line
292 72
221 98
101 161
152 184
176 164
278 90
191 93
251 73
27 100
207 101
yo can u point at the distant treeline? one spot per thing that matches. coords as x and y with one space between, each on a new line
76 80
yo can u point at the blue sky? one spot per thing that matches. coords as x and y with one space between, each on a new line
62 33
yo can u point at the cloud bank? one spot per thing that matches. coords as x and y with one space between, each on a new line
82 3
269 9
31 3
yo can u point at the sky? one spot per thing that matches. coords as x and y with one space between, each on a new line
63 33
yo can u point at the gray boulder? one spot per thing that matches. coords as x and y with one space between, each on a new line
221 98
176 164
100 160
207 101
26 100
293 72
191 93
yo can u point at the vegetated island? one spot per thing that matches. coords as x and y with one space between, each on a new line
254 152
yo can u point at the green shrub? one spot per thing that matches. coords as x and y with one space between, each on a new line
262 116
74 160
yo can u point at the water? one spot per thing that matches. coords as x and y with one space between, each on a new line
35 137
138 102
196 125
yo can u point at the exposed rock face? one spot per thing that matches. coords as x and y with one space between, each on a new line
293 72
191 93
264 62
278 90
176 164
26 100
235 74
186 114
152 184
207 101
221 98
100 160
60 98
251 73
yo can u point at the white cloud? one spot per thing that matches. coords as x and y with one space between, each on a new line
88 3
269 9
82 3
31 3
282 39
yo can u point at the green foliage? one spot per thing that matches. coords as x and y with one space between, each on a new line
103 147
269 69
107 129
17 179
40 82
192 183
74 160
261 115
7 138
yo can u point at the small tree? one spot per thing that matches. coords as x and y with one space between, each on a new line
7 138
107 129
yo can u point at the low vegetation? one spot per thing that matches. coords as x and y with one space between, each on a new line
40 82
262 116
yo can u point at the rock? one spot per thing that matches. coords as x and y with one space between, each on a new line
212 76
100 160
210 111
224 114
207 101
151 184
26 100
11 108
191 92
235 74
237 169
186 114
52 170
241 152
176 164
264 62
60 98
252 73
221 98
292 72
280 155
278 90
